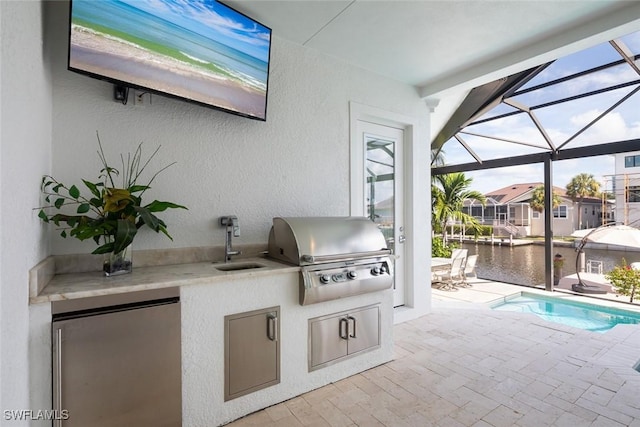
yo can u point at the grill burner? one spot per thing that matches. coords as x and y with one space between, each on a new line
338 256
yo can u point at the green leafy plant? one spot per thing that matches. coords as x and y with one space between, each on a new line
558 262
441 250
110 215
625 280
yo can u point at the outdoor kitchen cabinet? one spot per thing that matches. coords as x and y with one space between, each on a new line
251 351
341 335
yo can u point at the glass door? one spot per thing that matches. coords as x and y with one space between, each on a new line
383 192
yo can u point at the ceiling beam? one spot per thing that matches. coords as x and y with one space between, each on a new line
566 154
482 99
497 138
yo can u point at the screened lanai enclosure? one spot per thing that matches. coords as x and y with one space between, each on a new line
582 105
492 212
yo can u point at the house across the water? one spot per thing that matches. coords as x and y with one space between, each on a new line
509 211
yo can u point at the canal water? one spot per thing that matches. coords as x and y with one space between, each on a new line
524 265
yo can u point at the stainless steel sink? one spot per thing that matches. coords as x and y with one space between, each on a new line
237 266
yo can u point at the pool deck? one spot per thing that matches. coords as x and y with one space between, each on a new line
464 364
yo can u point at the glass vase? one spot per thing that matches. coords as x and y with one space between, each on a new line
116 263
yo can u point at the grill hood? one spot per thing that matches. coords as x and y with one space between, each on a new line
338 256
314 240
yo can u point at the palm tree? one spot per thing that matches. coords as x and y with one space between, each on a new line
537 199
437 157
581 186
448 194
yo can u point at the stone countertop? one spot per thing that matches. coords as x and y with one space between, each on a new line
82 285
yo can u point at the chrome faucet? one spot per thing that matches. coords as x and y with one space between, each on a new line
233 230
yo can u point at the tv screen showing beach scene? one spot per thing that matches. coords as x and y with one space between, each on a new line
198 50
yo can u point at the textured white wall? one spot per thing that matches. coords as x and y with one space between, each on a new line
297 163
25 139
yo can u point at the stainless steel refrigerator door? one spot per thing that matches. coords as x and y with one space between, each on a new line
119 369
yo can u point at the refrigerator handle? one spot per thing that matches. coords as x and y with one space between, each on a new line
57 390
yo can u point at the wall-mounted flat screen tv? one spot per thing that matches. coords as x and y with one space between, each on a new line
198 50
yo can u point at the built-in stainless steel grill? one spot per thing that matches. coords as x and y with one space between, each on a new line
338 256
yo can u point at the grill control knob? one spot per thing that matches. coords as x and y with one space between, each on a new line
375 270
325 278
352 274
383 270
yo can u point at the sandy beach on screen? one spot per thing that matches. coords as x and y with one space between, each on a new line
129 63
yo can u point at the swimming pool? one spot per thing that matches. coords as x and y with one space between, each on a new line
591 317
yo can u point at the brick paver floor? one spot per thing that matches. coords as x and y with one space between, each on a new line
477 367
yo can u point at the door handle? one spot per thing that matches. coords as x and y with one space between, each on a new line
344 328
401 236
353 334
272 326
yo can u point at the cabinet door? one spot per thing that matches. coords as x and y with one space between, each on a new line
252 351
328 339
364 329
119 369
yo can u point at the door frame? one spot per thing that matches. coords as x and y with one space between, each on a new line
417 195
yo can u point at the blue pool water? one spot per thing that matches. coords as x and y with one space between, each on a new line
591 317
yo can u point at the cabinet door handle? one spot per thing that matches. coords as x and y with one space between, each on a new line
352 334
272 326
57 400
344 328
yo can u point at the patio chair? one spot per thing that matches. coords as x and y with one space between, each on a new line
452 276
470 269
459 253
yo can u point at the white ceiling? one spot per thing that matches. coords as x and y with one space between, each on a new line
438 45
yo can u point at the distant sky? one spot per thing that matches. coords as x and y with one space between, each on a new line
560 122
489 180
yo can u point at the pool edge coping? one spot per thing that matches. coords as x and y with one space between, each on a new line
570 296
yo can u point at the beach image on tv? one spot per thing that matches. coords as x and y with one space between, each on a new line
198 50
